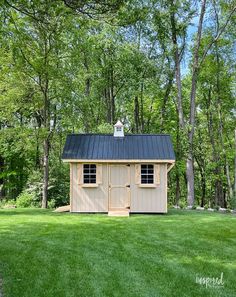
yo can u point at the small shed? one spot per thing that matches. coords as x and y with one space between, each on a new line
118 173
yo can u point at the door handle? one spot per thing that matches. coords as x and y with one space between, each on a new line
128 186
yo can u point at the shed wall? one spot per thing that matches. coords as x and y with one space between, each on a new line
95 199
149 199
89 199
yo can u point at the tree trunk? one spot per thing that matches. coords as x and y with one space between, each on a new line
190 157
179 105
46 143
177 188
166 96
45 172
177 175
234 199
230 189
141 108
136 114
177 66
190 180
2 194
87 80
112 96
215 153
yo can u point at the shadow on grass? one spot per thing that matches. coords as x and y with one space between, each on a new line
25 211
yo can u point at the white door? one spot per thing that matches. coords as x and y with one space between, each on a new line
119 186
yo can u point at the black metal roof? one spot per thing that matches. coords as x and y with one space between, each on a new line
108 147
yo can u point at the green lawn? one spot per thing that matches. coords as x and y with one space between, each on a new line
48 254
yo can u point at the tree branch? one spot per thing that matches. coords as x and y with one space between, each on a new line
219 33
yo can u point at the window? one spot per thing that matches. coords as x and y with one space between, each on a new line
89 173
118 129
147 174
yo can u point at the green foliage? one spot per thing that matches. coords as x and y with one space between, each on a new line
34 186
7 203
91 73
26 199
233 202
182 204
59 181
51 203
105 128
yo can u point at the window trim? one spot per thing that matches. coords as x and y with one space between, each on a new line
89 185
147 186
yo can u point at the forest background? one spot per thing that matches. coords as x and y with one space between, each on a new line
78 66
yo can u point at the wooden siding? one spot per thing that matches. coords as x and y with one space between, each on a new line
149 199
89 199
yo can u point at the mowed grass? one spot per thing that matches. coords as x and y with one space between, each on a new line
48 254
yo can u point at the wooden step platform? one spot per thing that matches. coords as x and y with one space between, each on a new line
118 213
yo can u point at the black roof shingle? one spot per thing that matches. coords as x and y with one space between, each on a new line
108 147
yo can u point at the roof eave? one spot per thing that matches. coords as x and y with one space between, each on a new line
169 161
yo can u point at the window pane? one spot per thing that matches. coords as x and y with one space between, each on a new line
89 173
147 174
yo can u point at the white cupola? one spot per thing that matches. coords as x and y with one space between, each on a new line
118 129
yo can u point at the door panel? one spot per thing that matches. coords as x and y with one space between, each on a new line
118 186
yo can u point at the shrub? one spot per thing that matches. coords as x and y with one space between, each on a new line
34 185
216 207
7 203
26 199
182 204
52 203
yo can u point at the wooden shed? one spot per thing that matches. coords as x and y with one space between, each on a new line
118 174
